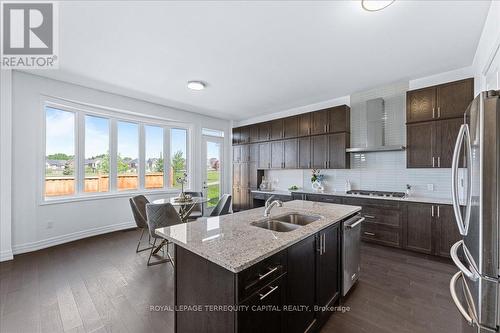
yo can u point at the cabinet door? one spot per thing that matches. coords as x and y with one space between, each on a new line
252 175
253 152
304 124
243 198
253 133
264 131
419 227
327 266
319 121
421 105
245 153
420 139
236 174
277 155
291 127
301 284
319 151
244 180
245 134
453 98
264 155
276 129
448 230
254 321
337 156
304 153
290 154
340 119
236 135
236 154
446 136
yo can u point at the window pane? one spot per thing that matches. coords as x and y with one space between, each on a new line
96 154
59 152
178 152
127 161
154 157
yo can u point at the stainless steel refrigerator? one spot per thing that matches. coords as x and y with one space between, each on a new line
475 287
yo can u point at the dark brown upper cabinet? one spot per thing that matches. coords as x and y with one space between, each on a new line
420 105
277 155
304 152
319 121
244 134
454 98
340 119
254 153
319 152
290 154
276 129
264 155
449 100
236 135
264 131
431 144
245 153
291 127
337 156
253 133
236 154
304 124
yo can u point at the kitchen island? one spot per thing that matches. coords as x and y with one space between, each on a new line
234 276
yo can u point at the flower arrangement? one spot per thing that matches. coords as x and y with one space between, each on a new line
317 176
182 180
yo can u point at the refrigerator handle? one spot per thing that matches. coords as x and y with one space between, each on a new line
456 300
454 256
462 223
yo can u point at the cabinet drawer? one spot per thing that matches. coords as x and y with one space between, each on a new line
260 274
380 234
324 198
259 196
390 217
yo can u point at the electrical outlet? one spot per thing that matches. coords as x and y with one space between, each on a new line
50 224
430 187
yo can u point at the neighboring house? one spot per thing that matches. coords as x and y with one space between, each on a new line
133 164
214 163
151 163
93 163
55 164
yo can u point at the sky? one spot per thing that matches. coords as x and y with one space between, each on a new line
60 136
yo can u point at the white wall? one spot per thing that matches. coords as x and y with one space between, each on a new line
5 163
79 219
486 58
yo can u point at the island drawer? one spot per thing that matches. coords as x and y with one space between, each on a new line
257 276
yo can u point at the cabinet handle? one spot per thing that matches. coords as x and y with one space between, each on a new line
369 233
433 161
324 243
439 112
438 211
272 270
433 113
325 128
268 293
432 210
369 216
439 161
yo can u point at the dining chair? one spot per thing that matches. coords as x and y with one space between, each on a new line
138 205
197 210
223 206
160 216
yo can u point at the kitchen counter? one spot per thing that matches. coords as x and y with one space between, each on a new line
231 242
434 200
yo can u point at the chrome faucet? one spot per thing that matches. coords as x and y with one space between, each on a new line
278 203
268 201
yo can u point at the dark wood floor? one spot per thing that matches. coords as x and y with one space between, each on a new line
100 285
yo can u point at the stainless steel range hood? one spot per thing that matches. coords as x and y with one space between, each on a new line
375 129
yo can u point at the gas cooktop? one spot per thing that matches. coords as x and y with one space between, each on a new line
378 193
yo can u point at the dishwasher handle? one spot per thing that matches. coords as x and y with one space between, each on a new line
355 224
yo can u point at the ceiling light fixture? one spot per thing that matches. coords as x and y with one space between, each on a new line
375 5
196 85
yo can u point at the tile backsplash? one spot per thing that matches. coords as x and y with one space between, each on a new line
383 171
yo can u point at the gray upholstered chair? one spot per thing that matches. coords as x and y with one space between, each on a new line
223 206
197 210
138 205
160 216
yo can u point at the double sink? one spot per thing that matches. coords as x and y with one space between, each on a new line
286 223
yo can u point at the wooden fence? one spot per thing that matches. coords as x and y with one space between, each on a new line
57 186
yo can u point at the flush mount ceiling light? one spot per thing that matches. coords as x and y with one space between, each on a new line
196 85
375 5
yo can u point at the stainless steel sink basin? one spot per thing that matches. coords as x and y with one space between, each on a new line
297 219
275 225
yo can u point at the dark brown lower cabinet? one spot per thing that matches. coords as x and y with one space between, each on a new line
447 229
419 227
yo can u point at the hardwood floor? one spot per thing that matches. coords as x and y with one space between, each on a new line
99 284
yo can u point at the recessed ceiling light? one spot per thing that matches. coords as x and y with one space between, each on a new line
196 85
375 5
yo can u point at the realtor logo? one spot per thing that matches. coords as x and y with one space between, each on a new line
29 35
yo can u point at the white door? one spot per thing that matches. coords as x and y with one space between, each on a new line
212 171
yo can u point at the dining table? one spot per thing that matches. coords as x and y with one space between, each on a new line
185 206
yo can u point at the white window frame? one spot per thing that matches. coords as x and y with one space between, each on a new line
80 110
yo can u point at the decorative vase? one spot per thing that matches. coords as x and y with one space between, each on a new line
317 186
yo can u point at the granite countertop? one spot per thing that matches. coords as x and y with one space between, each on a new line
434 200
231 242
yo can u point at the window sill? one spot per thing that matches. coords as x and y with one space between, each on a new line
111 195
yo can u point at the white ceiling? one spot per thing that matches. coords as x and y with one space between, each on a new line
260 57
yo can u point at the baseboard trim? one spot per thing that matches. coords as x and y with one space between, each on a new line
6 255
45 243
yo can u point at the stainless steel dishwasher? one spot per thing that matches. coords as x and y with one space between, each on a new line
351 252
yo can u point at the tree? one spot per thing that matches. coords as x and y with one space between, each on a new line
59 156
67 169
178 161
103 167
158 165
